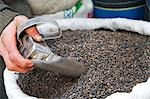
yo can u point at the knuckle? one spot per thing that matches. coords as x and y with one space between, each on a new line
22 64
11 68
12 57
16 61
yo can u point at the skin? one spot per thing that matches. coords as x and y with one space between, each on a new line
8 46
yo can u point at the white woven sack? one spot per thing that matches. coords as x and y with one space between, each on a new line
140 91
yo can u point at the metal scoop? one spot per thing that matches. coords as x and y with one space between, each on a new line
43 57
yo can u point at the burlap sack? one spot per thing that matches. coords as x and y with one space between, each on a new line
40 7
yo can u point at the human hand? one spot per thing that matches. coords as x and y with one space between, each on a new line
8 45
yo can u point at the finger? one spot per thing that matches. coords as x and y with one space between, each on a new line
12 67
19 60
33 32
15 56
10 44
19 69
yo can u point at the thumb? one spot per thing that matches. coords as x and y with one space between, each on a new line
33 32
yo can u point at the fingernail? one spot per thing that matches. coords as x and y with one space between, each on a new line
29 62
38 38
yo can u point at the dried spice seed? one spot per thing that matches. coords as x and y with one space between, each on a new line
115 61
